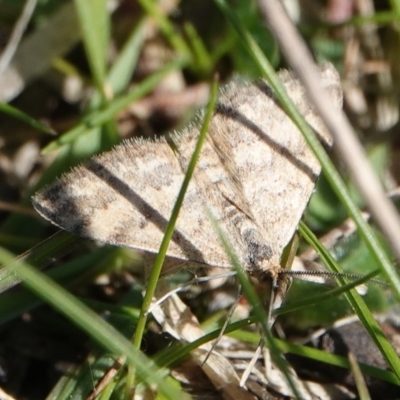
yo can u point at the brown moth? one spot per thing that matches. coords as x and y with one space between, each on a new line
255 175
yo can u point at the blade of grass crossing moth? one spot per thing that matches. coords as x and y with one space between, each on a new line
158 263
329 170
328 167
259 310
102 332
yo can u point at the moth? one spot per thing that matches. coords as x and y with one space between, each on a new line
255 175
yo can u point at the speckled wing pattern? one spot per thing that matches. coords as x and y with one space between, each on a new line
255 176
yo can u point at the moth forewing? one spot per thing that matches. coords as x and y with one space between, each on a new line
256 173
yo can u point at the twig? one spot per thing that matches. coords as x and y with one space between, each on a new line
19 29
346 143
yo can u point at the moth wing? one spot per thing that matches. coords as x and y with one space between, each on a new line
275 167
125 197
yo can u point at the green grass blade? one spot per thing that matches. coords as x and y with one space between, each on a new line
359 306
293 306
336 360
328 168
40 256
166 27
159 261
258 309
202 60
97 118
331 174
95 26
102 332
15 302
123 67
20 115
361 385
177 351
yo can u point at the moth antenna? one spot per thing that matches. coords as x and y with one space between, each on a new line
350 276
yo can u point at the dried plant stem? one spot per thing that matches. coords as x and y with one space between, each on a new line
346 142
